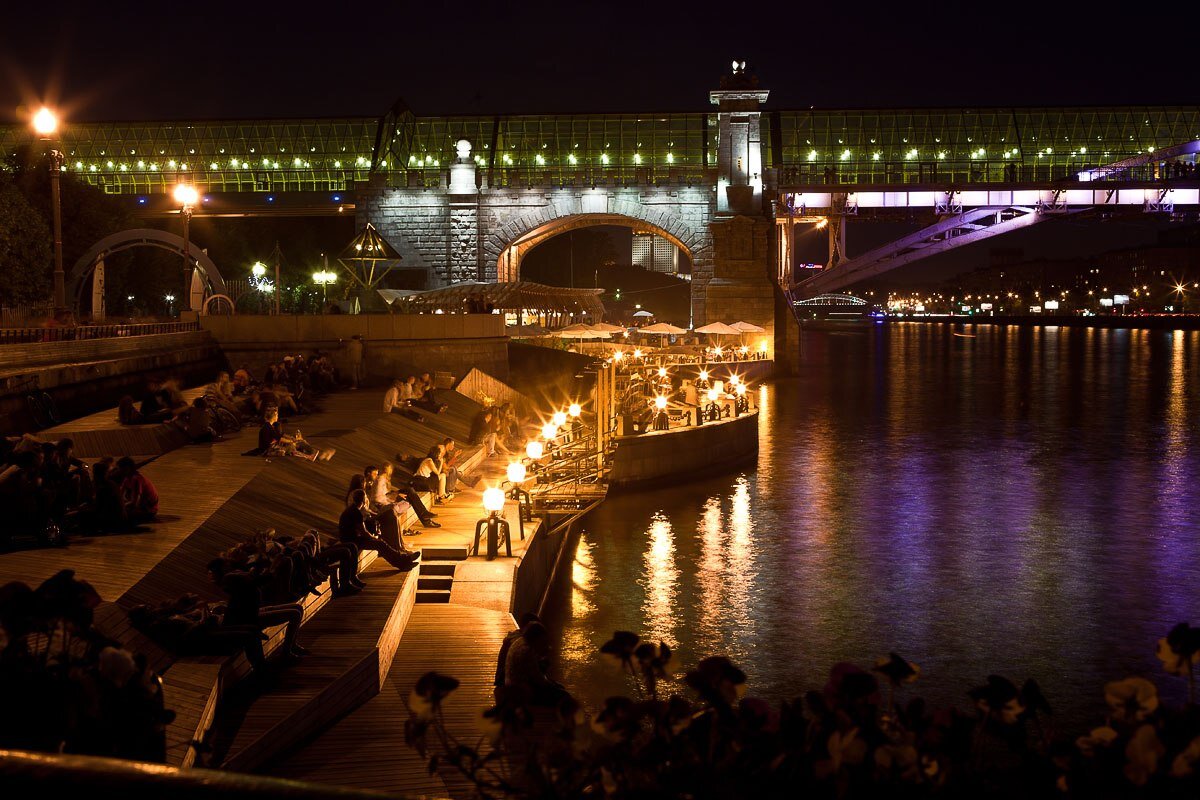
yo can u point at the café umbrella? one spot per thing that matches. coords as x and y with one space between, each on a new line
663 328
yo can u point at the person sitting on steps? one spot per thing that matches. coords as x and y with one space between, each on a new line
138 494
273 442
357 526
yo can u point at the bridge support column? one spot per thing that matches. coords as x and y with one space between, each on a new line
463 255
837 240
741 287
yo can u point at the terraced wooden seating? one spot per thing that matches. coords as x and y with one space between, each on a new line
352 646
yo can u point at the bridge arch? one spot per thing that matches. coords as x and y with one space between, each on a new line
508 244
141 237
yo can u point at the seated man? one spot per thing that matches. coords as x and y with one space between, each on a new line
273 441
354 526
525 666
398 400
424 395
154 407
138 494
198 423
483 431
451 456
246 610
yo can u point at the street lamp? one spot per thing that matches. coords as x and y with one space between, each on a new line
323 279
45 124
187 197
493 503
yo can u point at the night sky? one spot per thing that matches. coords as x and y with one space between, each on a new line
132 60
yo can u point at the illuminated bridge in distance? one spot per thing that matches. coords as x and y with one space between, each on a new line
729 185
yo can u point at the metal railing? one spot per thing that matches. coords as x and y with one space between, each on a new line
79 333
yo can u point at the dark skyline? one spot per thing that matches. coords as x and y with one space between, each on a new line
153 61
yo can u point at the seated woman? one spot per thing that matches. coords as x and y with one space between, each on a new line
273 442
109 513
430 469
139 498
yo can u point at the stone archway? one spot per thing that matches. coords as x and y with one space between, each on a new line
141 237
508 264
506 244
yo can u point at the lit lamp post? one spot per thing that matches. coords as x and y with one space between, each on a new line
660 419
187 196
323 279
45 124
741 403
170 298
713 410
493 503
516 475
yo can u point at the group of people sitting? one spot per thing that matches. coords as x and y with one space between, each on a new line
265 579
46 492
411 395
498 429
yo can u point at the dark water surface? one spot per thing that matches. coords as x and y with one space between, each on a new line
1025 502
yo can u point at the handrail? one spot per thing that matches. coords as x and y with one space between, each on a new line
24 773
76 333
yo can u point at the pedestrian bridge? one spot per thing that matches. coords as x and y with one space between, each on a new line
465 198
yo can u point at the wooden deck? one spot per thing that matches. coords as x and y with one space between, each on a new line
101 434
212 498
366 749
352 651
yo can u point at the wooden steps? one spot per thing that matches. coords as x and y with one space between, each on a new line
352 651
366 749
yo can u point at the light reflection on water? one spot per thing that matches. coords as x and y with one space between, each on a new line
1022 502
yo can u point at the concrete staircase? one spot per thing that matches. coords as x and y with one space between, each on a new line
436 576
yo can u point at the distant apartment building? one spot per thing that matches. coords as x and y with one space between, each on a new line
654 253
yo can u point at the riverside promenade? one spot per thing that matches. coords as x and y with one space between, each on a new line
337 716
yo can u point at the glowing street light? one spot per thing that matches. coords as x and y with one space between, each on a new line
258 269
45 124
662 372
712 395
516 472
549 431
493 500
535 450
660 402
559 419
618 355
187 197
637 353
323 278
575 410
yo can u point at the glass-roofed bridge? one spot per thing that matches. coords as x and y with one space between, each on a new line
958 146
467 197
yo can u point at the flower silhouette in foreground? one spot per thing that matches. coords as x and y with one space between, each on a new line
1179 652
1131 700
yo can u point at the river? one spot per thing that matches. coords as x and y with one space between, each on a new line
1022 501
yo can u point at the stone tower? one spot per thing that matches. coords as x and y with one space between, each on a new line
741 287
